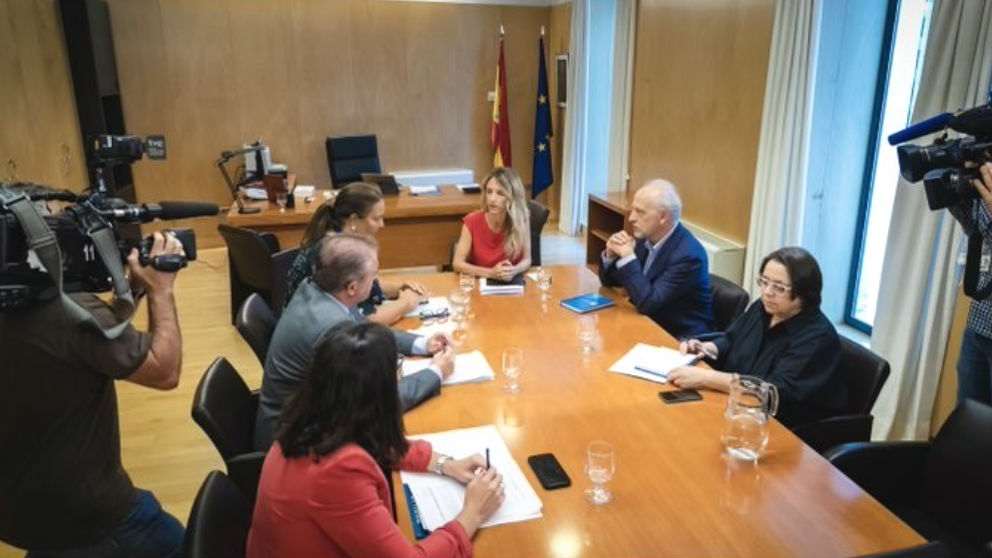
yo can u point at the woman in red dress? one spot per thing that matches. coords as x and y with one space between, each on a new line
322 491
495 241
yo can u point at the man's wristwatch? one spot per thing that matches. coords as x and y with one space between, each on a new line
439 465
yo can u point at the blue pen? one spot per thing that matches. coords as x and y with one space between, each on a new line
487 459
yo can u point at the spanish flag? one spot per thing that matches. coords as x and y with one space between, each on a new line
500 134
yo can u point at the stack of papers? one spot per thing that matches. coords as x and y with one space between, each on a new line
424 190
492 287
469 368
651 363
440 499
469 188
255 193
435 305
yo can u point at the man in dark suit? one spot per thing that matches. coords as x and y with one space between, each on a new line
346 265
663 267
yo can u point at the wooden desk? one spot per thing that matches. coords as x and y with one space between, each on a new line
674 492
419 229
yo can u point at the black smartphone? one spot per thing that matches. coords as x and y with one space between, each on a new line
679 396
549 471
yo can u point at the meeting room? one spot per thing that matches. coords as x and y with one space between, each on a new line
496 278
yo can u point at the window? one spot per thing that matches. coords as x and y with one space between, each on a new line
898 83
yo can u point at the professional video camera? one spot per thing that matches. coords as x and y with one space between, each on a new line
88 249
948 166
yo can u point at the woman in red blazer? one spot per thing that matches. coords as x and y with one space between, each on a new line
322 490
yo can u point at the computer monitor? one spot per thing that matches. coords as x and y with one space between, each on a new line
386 183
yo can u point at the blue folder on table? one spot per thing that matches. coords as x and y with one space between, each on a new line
587 303
419 531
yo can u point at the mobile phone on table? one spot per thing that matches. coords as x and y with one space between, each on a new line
679 396
549 472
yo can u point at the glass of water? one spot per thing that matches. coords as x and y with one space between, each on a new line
512 362
586 332
543 282
600 465
281 201
466 281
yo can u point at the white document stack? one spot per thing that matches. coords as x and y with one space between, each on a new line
439 499
651 363
469 368
433 305
486 288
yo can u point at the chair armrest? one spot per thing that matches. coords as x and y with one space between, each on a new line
892 472
281 263
245 470
834 431
271 240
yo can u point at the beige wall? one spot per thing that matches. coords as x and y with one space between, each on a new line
947 390
699 82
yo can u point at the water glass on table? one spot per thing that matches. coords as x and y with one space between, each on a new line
543 282
466 281
600 465
586 332
512 363
281 199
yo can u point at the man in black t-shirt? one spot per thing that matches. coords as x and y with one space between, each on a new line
63 490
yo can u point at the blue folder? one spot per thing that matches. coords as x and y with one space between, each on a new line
587 303
419 531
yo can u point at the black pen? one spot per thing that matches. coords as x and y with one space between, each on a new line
487 459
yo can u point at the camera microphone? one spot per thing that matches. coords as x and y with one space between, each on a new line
166 210
920 129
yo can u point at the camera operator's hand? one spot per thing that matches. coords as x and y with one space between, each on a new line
984 186
153 280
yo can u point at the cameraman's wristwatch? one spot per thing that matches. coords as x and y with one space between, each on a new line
439 465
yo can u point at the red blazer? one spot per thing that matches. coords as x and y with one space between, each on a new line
339 506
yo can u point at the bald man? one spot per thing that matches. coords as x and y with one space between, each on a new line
662 266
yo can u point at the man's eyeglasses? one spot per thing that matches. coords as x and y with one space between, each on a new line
777 289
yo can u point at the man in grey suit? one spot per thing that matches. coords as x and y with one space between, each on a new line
345 267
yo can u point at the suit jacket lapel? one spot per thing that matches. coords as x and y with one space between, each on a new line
661 261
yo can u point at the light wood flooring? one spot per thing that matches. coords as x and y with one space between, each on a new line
162 448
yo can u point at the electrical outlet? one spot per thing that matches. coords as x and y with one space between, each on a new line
491 96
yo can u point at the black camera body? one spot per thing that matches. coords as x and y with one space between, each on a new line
948 166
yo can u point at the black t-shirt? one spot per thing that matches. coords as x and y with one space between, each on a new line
799 356
61 480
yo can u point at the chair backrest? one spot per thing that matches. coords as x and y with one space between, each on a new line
250 256
864 373
219 521
348 157
538 217
729 302
225 409
256 322
957 484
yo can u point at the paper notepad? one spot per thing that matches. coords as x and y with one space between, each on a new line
651 363
469 368
424 190
494 287
440 499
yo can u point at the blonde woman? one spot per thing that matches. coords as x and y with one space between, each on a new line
495 241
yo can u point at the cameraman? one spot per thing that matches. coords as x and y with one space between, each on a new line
975 360
63 490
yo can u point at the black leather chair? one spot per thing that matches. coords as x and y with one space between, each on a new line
934 549
538 218
225 409
942 488
348 157
256 266
256 322
219 521
865 373
729 302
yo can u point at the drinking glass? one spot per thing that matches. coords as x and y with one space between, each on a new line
600 465
281 201
587 332
544 282
466 281
512 361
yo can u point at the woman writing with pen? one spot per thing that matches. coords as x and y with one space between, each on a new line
357 208
323 489
783 338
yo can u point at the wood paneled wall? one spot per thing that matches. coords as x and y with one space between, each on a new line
39 131
210 75
558 41
699 82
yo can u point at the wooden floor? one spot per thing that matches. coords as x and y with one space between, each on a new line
162 448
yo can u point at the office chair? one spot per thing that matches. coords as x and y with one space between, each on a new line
941 488
348 157
865 373
729 302
934 549
219 521
538 218
256 322
225 409
256 266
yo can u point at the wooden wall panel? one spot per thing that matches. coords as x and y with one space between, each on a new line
211 75
558 42
39 130
699 81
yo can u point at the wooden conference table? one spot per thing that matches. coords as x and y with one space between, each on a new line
419 229
674 492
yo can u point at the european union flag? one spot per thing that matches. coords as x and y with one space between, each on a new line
543 176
